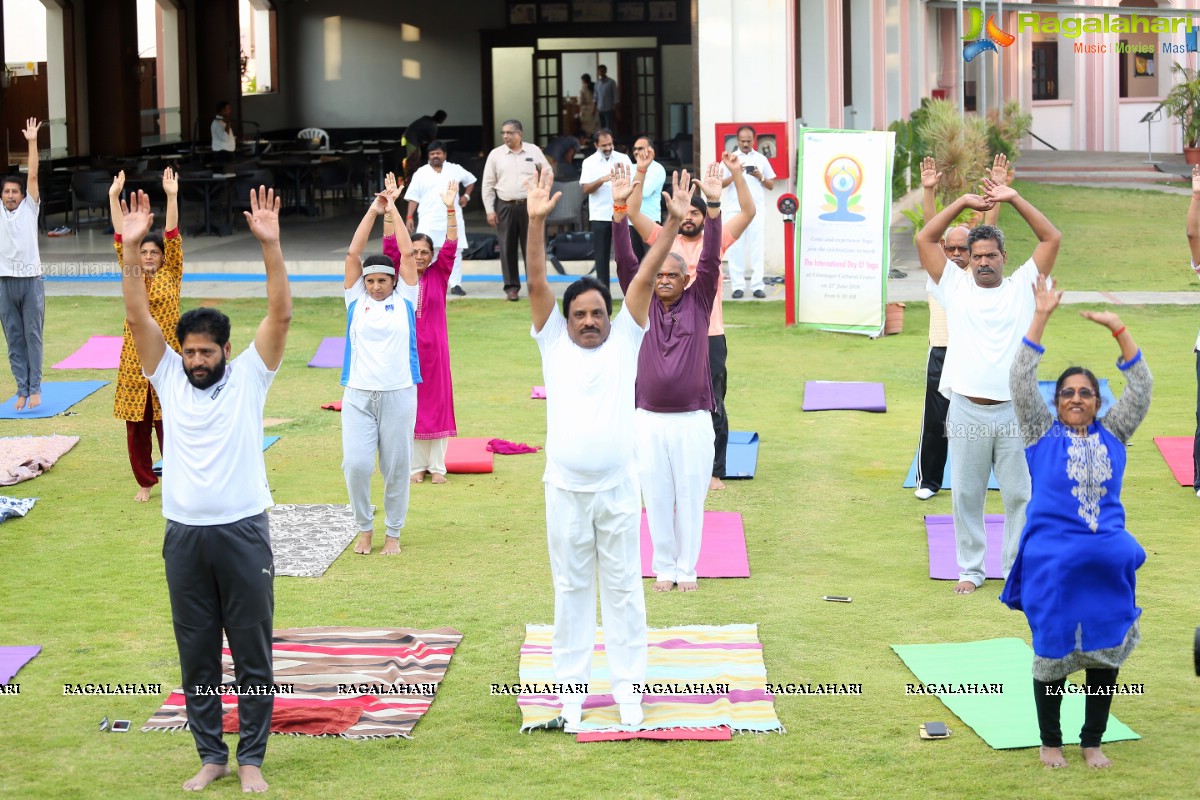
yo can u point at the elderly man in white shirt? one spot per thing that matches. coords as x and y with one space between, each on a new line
987 315
595 176
747 252
424 195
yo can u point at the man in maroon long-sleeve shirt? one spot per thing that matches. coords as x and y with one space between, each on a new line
674 400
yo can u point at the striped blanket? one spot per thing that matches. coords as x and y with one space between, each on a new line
704 676
392 674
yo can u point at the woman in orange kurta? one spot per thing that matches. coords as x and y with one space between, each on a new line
162 262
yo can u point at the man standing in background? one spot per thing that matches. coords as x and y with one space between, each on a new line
607 97
595 176
747 252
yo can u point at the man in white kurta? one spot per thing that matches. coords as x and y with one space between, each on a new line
589 365
595 175
424 197
746 254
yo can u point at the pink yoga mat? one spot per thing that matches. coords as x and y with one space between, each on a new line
98 352
13 658
330 353
943 558
1177 450
722 547
839 396
666 734
538 393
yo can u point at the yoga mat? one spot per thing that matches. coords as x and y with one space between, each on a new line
12 658
943 557
467 456
839 396
538 393
690 654
330 353
306 539
667 734
910 480
370 664
336 405
741 455
1177 450
1006 720
23 458
722 547
1046 389
57 397
98 352
267 442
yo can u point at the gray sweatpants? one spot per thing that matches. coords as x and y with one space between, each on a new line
22 310
380 422
983 439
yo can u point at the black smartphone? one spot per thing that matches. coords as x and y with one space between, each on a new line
834 598
936 729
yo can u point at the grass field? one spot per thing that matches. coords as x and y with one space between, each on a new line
83 577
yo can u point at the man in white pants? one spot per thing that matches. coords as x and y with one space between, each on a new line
987 315
746 254
424 197
674 396
593 513
594 175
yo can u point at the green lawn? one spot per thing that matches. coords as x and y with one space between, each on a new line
83 577
1141 247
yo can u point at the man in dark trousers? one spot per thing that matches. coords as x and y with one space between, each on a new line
217 546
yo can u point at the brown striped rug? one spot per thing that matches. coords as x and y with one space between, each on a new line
391 674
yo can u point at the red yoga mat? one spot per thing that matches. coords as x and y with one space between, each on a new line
666 734
722 547
468 456
1177 450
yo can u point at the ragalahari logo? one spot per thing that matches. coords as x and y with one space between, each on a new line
974 43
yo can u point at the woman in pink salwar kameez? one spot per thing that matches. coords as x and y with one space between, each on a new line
435 393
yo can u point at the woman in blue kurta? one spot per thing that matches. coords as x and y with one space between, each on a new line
1074 576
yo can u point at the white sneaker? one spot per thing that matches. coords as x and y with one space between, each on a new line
923 493
631 713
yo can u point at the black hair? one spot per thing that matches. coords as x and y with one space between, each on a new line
1085 372
747 128
17 179
700 204
206 321
222 103
649 139
424 237
588 80
516 123
436 144
586 284
155 238
379 258
440 116
601 132
983 233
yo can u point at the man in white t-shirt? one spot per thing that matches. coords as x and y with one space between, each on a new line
22 296
747 252
217 547
224 141
424 195
593 509
987 314
595 175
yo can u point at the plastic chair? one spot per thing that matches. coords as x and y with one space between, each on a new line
333 176
309 134
89 190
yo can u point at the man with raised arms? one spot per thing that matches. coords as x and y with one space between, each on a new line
217 547
593 513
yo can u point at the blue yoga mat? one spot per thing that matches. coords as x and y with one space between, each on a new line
267 442
910 480
57 397
741 455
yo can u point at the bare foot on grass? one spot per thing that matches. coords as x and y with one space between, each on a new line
392 548
417 477
438 478
363 545
252 779
143 495
1052 757
688 586
207 774
1095 759
964 587
715 483
663 586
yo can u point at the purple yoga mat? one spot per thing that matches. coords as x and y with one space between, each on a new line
98 352
838 396
722 547
943 558
330 353
13 658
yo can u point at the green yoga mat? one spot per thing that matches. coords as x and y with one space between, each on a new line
1004 720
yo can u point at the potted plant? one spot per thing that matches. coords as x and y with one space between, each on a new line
1183 103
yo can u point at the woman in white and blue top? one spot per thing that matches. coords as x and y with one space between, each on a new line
380 372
